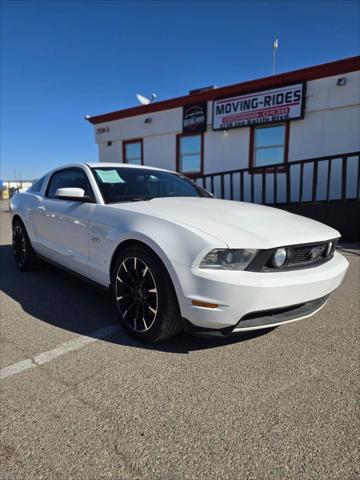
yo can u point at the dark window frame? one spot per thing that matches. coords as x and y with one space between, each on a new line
282 167
179 136
77 169
128 142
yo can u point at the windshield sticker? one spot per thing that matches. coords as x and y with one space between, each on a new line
109 176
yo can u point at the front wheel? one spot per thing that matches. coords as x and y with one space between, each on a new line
144 295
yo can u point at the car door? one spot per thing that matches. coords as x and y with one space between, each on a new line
63 225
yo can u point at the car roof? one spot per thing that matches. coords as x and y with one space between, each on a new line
104 165
123 165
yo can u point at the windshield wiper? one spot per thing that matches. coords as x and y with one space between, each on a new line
132 199
140 199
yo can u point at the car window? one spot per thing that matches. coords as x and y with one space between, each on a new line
37 185
129 184
74 178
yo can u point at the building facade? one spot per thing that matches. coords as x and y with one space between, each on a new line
285 139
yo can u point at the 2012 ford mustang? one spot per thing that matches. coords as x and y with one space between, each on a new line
172 255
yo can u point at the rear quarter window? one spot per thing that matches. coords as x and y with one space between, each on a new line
37 185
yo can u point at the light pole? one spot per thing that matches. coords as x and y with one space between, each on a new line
275 47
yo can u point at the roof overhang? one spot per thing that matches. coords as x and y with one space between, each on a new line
310 73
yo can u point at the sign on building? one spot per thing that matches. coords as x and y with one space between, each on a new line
194 117
101 130
268 106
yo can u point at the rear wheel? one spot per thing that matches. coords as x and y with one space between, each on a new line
25 258
144 295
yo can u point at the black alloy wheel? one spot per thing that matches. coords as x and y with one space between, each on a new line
19 246
136 294
144 295
24 255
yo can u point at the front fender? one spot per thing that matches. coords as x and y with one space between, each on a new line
172 242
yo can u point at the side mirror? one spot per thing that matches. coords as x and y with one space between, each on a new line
72 194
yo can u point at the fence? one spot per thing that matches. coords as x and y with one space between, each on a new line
317 187
335 177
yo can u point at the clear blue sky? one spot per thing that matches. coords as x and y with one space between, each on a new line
61 60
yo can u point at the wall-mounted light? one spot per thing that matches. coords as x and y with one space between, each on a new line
148 120
340 82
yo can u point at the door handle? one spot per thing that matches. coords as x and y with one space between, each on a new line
42 208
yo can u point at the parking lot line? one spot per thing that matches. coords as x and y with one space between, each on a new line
69 346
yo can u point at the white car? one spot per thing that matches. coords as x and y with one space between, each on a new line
173 256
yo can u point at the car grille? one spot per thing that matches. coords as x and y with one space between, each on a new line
308 254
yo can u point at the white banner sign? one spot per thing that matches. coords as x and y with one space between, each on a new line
256 108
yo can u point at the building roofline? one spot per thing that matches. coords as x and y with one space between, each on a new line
338 67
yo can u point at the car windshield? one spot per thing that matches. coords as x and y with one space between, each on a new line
135 184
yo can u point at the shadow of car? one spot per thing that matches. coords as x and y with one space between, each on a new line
60 299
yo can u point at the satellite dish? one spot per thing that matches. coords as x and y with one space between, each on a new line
145 101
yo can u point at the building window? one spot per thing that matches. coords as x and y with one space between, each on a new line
269 145
133 152
190 148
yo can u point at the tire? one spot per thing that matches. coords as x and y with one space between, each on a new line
144 295
24 255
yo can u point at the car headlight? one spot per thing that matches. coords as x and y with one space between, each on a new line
329 248
228 259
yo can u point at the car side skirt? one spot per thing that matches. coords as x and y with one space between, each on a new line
72 272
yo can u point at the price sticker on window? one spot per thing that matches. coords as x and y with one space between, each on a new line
109 176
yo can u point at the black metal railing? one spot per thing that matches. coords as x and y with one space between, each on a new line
322 179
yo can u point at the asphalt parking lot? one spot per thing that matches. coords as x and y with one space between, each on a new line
80 399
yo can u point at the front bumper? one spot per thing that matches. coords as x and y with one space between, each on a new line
240 293
279 316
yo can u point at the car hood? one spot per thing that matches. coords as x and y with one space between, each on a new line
238 224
